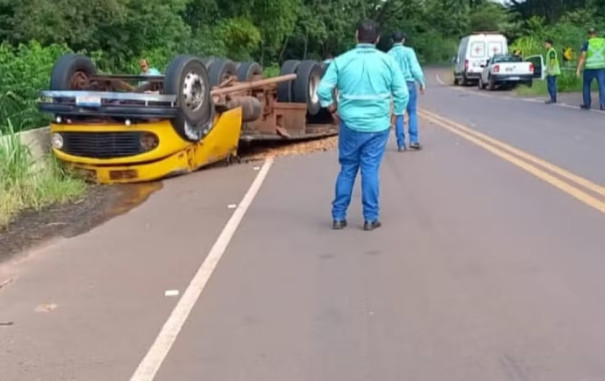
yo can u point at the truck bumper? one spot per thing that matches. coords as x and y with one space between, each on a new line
506 78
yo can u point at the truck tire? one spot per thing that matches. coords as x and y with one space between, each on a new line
248 70
221 69
208 61
187 78
481 85
72 72
305 86
284 89
491 84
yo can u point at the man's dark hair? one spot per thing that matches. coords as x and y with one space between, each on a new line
398 36
368 31
548 41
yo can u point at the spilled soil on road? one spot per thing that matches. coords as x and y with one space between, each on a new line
254 152
103 202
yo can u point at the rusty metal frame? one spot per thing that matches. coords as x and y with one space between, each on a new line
278 120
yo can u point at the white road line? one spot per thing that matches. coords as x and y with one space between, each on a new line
150 365
438 78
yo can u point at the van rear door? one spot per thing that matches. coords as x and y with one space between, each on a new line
476 55
495 47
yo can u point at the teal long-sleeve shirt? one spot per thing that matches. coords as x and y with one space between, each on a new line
367 79
408 62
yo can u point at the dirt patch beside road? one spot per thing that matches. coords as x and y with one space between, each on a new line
99 204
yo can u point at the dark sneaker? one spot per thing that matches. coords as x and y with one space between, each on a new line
415 146
371 225
584 107
550 101
337 225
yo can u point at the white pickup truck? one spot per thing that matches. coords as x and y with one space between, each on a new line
504 70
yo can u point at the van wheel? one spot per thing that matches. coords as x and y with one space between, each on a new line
481 87
464 80
456 81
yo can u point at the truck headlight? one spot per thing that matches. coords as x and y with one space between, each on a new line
56 140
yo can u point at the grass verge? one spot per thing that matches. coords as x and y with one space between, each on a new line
25 184
567 82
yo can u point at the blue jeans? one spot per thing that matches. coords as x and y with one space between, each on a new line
589 76
552 87
359 150
412 118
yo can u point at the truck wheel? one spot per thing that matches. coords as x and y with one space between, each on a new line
187 78
491 84
306 84
220 70
72 72
208 61
284 89
248 70
481 84
456 81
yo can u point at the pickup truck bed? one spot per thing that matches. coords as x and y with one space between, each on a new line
506 74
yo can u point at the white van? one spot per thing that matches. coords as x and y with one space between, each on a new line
473 52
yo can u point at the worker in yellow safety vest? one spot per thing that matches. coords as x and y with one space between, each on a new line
552 70
593 59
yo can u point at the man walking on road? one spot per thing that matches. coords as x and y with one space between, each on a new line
593 59
412 72
366 79
552 70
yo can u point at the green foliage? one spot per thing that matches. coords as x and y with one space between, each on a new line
240 38
24 185
117 33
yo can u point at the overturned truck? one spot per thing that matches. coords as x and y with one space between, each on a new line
131 128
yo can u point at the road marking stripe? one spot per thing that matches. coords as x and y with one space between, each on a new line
554 181
549 166
151 363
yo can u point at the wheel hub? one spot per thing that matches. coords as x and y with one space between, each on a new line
313 85
193 91
78 81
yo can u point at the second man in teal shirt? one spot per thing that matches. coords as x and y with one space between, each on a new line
412 72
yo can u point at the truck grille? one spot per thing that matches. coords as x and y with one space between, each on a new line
102 145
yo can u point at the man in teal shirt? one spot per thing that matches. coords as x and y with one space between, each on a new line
367 79
146 70
412 72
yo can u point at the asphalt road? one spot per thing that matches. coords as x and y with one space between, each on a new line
488 266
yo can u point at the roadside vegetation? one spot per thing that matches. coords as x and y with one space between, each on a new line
116 33
28 185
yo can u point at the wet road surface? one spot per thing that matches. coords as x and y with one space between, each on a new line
488 266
